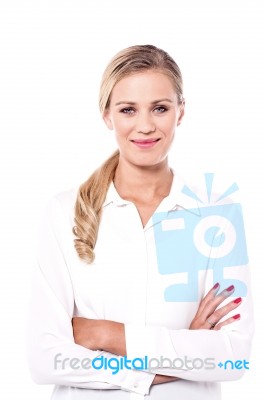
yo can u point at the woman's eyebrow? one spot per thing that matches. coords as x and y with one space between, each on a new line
132 103
160 100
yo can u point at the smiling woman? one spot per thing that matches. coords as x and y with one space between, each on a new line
144 125
109 282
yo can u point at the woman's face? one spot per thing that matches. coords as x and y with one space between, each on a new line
144 113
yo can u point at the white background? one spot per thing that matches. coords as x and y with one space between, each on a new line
52 56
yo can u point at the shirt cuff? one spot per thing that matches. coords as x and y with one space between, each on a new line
133 380
138 382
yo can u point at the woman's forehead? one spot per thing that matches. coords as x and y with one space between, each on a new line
143 85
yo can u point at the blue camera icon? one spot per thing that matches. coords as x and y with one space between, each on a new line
194 240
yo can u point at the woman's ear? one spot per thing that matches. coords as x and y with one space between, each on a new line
182 113
107 120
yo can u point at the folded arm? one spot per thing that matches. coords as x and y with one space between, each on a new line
53 355
217 332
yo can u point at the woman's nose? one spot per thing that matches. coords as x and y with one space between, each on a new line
145 123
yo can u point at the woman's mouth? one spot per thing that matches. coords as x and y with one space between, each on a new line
145 143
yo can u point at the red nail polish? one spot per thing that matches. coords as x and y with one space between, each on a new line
230 288
237 300
216 286
237 316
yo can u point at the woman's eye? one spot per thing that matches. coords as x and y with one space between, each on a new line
160 109
127 110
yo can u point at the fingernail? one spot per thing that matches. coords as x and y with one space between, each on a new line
230 288
237 300
237 316
216 286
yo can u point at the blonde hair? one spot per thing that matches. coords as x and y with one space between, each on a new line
92 193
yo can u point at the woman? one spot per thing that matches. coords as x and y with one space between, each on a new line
111 314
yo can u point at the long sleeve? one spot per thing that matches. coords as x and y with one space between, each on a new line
211 348
50 343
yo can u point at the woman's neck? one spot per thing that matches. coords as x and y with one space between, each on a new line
143 183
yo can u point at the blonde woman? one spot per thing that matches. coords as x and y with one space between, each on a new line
114 314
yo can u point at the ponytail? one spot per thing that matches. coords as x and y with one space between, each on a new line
88 207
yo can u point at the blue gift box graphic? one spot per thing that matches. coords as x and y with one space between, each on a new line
193 240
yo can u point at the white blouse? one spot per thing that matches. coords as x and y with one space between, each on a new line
151 279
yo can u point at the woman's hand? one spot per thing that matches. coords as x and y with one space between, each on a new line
209 315
163 379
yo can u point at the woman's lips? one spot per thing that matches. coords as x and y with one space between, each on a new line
145 143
